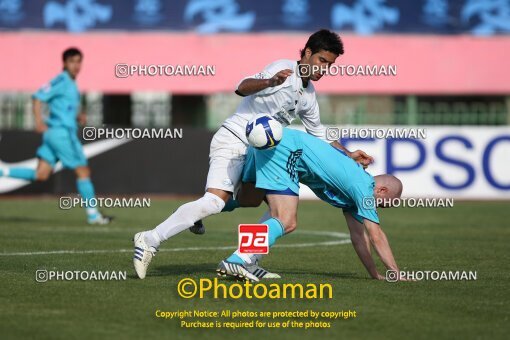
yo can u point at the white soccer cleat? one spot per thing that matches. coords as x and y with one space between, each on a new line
143 255
261 273
100 220
235 270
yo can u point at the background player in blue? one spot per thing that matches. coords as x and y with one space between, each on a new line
335 178
60 140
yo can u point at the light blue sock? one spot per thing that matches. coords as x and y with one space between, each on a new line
275 231
87 192
231 205
20 173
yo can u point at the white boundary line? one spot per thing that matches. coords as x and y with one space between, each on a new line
343 238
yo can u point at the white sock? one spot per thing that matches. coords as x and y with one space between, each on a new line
91 212
185 217
152 238
4 172
247 258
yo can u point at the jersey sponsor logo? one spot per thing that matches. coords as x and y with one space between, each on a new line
253 239
285 116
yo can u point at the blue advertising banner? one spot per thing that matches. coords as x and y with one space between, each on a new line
364 17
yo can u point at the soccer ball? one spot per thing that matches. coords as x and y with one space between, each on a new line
263 132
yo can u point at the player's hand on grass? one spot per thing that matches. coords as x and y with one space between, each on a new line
279 78
40 127
362 158
380 277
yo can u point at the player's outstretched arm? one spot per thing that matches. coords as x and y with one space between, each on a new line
381 244
359 156
250 86
361 245
37 110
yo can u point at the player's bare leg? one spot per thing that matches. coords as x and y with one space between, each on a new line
248 196
43 171
284 208
283 221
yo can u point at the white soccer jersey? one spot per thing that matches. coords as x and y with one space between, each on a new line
284 102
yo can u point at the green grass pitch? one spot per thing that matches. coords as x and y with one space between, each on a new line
471 236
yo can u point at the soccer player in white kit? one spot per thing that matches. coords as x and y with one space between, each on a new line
283 90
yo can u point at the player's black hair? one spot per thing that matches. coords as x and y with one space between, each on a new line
71 52
324 40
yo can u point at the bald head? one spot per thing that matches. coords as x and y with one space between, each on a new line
387 186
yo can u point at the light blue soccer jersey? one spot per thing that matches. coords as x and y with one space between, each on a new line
60 141
63 99
331 174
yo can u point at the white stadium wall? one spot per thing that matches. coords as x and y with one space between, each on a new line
458 162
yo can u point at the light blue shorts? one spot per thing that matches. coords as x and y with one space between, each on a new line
62 144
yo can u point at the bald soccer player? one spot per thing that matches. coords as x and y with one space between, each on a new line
335 178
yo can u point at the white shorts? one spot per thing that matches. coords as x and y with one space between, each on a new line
226 161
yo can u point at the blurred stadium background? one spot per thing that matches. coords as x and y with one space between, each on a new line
452 78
